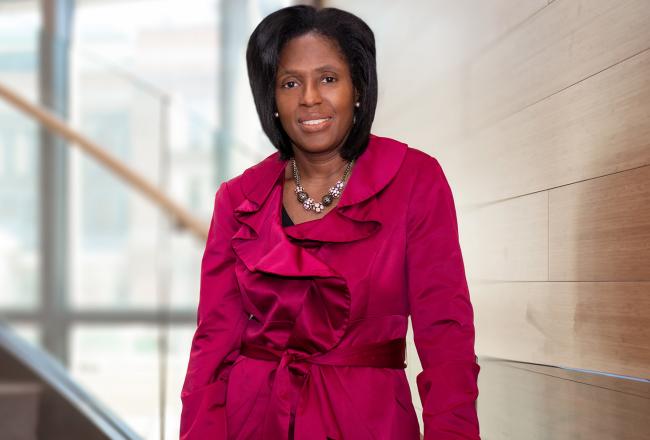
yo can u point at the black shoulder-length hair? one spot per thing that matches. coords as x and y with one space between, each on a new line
356 42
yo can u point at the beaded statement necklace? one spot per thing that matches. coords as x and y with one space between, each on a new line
334 192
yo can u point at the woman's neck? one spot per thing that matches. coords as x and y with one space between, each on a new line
320 167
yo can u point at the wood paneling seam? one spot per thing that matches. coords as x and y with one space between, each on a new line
473 206
508 115
584 383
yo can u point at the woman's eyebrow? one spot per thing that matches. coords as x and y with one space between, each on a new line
326 67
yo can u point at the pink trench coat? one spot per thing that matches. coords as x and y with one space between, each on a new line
300 329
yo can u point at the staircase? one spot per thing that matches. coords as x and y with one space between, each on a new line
39 399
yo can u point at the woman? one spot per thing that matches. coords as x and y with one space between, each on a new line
317 255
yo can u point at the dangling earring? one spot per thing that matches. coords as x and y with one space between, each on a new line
357 104
276 114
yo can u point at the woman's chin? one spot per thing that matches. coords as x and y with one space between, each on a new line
317 142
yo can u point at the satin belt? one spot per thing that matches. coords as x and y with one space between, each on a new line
291 375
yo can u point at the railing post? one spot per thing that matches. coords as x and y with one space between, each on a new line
53 89
233 32
164 268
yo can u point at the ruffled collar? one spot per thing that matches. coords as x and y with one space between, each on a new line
372 171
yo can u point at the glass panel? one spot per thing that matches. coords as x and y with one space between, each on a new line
145 90
186 252
180 340
164 45
19 143
113 254
119 365
115 229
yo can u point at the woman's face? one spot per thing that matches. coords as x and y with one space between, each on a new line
314 93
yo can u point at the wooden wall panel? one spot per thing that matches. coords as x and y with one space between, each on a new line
597 127
423 48
564 43
594 326
512 237
517 404
600 229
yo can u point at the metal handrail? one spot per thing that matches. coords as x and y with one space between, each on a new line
48 371
52 122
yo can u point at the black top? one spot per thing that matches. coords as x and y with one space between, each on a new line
286 220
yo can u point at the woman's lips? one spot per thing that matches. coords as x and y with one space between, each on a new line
314 125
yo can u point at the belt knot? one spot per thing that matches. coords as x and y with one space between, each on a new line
294 362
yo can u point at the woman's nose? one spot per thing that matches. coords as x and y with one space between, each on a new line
311 94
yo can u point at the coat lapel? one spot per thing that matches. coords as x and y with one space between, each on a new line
264 246
356 215
354 218
261 244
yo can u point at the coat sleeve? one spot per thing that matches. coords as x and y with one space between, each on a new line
441 312
220 323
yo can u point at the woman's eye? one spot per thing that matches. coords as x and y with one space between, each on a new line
289 85
329 79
